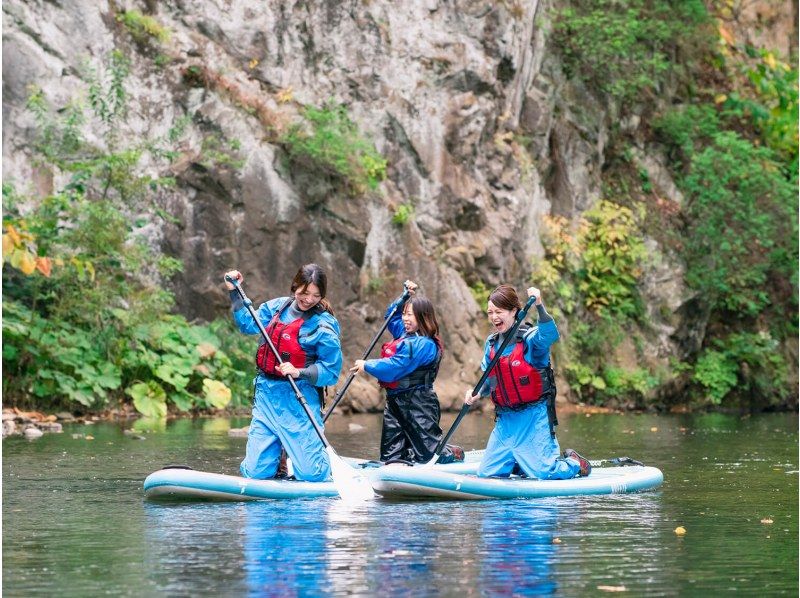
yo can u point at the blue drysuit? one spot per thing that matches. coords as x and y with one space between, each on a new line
278 418
411 429
523 436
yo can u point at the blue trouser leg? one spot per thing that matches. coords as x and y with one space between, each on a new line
263 449
524 437
279 420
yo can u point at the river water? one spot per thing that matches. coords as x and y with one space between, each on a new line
75 522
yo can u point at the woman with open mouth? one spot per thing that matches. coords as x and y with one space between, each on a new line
523 390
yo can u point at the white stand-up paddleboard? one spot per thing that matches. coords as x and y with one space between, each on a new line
427 483
181 483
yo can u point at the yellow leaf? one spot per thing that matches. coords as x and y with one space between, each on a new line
27 263
680 530
769 59
8 244
285 95
719 99
12 232
216 393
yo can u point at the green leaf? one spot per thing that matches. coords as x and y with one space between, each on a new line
169 375
182 400
149 398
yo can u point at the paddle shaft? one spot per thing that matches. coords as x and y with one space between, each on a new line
340 395
249 305
521 315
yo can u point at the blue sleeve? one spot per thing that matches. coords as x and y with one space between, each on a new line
486 389
244 320
538 341
396 328
414 352
325 344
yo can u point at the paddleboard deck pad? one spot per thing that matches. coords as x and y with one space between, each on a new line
183 483
425 483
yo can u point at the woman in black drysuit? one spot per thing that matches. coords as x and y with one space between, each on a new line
406 369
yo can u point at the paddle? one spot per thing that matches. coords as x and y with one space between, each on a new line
511 333
339 395
350 484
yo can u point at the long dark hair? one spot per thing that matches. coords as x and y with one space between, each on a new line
423 311
505 297
313 274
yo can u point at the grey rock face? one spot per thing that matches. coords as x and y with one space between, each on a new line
442 89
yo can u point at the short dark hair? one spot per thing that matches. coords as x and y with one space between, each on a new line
505 297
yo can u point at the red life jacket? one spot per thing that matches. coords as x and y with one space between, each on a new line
423 375
518 383
286 338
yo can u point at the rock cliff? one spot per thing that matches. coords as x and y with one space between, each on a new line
465 99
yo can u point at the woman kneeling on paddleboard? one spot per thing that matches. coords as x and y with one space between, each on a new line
522 386
306 334
407 369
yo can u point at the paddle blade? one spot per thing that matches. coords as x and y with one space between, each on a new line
432 462
351 484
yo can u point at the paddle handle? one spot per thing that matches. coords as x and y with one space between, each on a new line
521 315
303 403
340 394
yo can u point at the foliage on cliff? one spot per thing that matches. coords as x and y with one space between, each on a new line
85 312
730 134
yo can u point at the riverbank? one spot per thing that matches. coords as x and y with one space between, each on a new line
33 424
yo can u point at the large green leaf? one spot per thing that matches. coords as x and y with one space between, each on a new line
182 400
149 398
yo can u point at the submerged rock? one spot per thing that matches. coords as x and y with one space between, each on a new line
32 433
239 432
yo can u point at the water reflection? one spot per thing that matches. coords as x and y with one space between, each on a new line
517 550
285 548
193 545
76 522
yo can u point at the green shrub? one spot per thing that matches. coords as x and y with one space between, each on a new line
739 245
217 152
742 224
165 359
627 49
402 214
143 28
375 284
329 141
770 102
612 250
480 292
743 369
85 316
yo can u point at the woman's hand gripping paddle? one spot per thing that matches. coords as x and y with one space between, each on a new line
511 333
350 484
339 395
